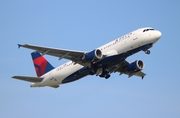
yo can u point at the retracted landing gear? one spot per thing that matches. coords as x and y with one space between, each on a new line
107 76
101 72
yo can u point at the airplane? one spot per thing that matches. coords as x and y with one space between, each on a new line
102 61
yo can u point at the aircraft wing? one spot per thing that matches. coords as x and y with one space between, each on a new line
139 74
121 69
28 78
60 53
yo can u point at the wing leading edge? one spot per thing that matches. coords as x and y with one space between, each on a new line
60 53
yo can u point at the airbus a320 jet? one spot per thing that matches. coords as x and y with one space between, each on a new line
102 61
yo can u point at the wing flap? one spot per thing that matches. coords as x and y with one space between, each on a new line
28 78
140 74
55 86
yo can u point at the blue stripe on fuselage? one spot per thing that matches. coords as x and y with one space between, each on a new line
77 75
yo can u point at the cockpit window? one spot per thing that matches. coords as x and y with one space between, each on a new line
145 30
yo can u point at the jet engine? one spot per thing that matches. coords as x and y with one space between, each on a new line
135 66
93 56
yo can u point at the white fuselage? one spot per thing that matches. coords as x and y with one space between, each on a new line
118 46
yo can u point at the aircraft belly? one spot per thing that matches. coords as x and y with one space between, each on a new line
64 73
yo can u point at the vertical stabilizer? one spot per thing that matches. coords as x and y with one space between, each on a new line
41 65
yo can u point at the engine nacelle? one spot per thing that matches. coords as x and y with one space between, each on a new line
93 56
135 66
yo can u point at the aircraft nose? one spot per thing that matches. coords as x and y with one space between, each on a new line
158 34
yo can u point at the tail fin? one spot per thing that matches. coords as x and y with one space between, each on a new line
41 65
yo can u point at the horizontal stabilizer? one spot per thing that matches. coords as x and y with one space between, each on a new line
28 78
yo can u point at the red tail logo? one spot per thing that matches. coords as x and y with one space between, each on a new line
41 65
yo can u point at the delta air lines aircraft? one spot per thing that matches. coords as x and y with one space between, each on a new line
102 61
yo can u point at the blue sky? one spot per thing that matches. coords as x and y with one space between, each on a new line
85 25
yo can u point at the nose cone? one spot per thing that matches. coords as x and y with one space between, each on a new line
158 35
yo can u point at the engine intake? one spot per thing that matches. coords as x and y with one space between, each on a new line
93 56
135 66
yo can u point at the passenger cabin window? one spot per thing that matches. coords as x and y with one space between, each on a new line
145 30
